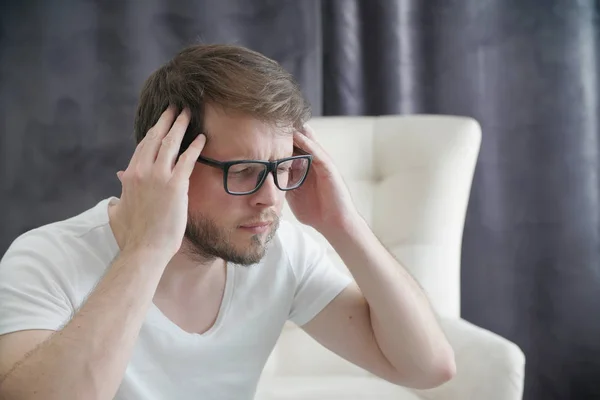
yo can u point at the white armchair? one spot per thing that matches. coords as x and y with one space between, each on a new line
410 177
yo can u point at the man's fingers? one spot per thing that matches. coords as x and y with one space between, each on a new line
305 143
187 161
147 149
165 121
310 146
309 132
171 143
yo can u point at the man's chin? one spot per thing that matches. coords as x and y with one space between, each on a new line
251 253
245 259
238 246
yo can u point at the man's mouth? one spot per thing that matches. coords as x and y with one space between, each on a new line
257 227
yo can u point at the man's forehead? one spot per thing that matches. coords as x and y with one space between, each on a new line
218 119
254 129
253 132
250 146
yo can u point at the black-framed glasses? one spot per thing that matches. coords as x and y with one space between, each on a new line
243 177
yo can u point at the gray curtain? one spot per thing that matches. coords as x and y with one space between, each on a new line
70 72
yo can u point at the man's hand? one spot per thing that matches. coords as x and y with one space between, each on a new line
151 215
153 207
323 201
384 322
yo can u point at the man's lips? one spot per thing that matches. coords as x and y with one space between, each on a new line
256 224
257 227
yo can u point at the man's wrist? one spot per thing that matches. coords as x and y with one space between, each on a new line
146 256
347 223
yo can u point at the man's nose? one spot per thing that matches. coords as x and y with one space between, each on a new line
268 194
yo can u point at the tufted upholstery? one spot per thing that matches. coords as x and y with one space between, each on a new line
410 177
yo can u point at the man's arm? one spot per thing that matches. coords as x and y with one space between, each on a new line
385 324
88 357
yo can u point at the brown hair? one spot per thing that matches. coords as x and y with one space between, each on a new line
232 77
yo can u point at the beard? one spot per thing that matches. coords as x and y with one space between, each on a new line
207 241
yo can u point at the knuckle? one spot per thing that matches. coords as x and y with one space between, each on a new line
127 178
168 141
152 134
140 146
136 175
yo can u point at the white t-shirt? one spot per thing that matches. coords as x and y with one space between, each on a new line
47 273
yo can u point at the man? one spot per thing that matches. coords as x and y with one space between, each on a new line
179 288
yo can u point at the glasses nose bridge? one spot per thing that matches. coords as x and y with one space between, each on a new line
271 169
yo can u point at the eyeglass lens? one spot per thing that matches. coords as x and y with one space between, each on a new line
246 177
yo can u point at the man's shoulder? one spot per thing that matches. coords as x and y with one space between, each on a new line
293 236
55 242
295 230
300 244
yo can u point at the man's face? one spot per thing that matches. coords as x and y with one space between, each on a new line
226 226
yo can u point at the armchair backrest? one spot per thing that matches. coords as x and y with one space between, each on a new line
410 177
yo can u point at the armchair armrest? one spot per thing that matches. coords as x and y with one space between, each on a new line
489 367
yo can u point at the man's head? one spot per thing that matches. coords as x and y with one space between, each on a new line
248 106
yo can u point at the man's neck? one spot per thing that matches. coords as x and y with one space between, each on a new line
184 273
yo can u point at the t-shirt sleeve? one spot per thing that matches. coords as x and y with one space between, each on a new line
318 280
32 288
